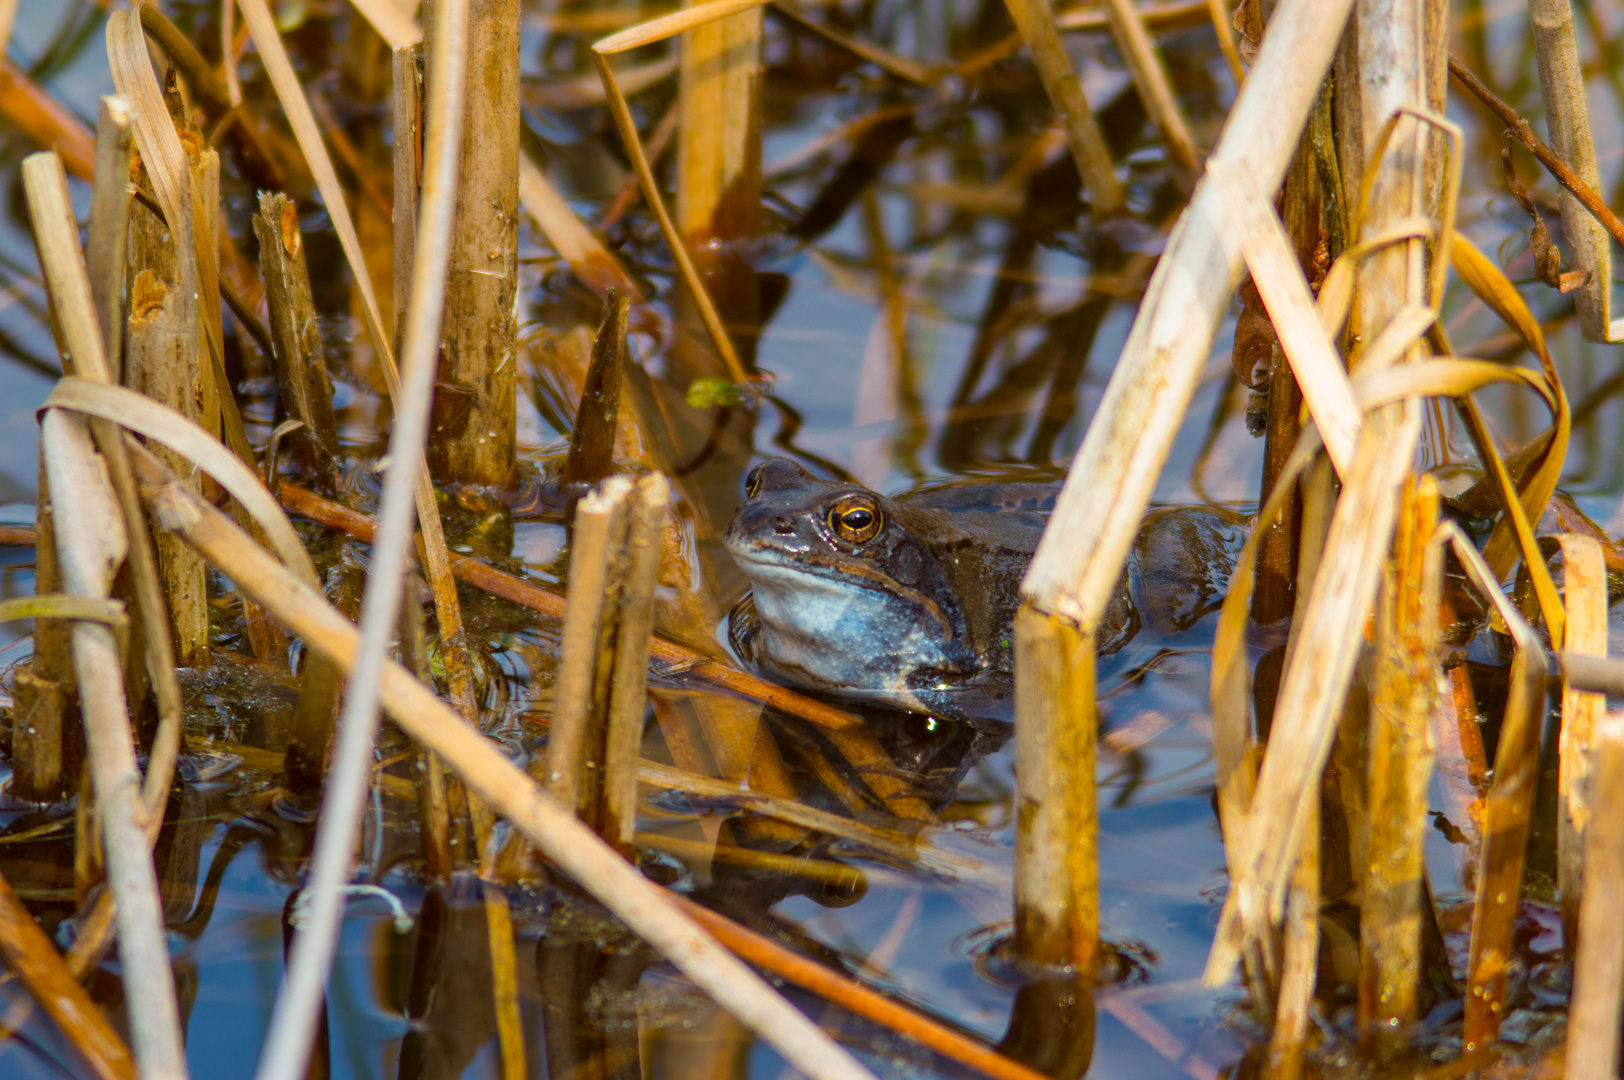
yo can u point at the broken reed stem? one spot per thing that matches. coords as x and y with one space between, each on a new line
160 363
293 1021
600 693
108 233
1035 21
574 757
31 955
691 664
1056 862
591 455
472 429
301 367
507 789
1406 695
1567 117
1584 577
1598 967
1150 80
628 690
1548 157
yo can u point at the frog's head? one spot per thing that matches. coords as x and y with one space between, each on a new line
849 596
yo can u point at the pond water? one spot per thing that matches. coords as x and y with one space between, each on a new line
926 244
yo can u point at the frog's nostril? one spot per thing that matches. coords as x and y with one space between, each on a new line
783 526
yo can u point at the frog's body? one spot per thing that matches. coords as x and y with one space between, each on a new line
911 600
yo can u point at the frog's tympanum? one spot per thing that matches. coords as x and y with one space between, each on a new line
910 600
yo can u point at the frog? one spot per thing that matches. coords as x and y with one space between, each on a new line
909 600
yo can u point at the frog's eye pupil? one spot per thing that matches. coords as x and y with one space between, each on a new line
855 520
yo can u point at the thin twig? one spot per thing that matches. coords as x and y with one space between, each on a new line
1547 157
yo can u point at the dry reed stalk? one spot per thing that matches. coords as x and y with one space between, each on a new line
596 433
1598 968
1056 723
508 790
1300 209
307 393
89 555
688 662
170 169
1509 805
1116 467
69 283
109 232
43 119
599 693
1083 549
31 955
1567 117
1034 19
1286 295
719 130
1406 694
1150 80
1328 633
1299 962
214 94
406 96
1584 576
574 760
628 691
472 425
436 560
161 351
1219 16
393 22
44 751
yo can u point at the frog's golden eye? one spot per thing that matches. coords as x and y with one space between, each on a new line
752 482
855 519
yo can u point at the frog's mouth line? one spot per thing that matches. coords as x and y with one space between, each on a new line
851 575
